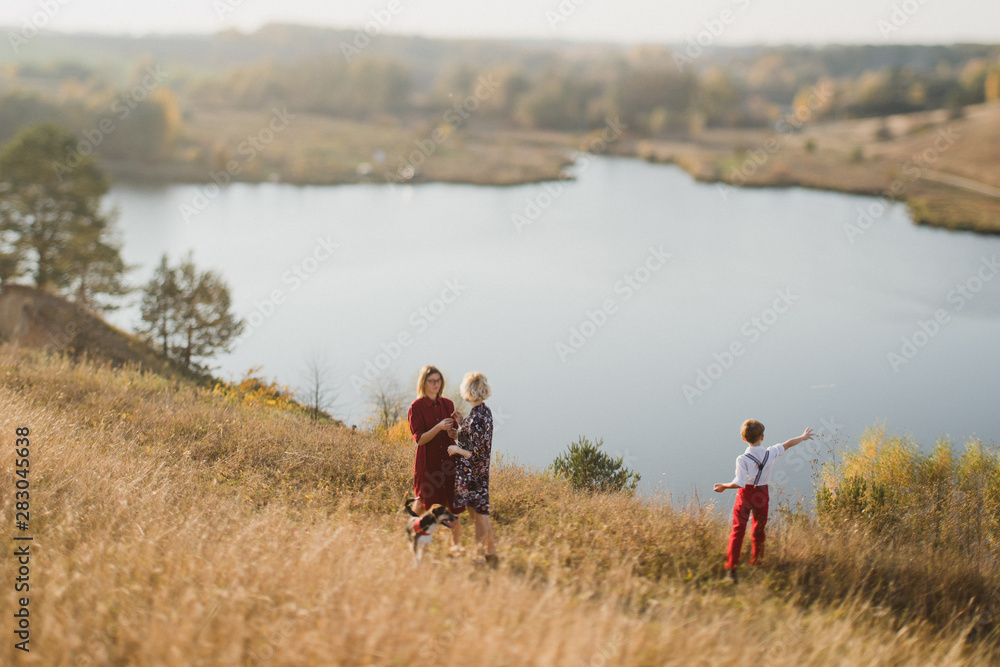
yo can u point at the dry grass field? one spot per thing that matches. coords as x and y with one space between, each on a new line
174 525
321 150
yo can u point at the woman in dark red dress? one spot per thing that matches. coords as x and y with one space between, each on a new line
432 423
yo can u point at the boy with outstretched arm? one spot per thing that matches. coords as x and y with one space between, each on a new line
753 471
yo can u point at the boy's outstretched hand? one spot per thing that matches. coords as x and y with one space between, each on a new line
719 487
807 435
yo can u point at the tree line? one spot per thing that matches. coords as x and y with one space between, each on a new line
646 88
652 89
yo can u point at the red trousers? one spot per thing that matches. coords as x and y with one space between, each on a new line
749 500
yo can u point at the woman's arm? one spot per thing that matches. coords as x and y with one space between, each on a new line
455 449
470 433
427 436
417 423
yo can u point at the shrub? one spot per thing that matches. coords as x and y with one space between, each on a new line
589 469
891 488
255 389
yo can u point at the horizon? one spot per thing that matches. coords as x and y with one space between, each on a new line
735 24
487 38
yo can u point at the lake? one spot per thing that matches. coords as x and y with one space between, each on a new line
632 304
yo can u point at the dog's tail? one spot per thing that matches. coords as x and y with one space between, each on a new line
408 506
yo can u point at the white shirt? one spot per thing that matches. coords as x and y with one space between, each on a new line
747 471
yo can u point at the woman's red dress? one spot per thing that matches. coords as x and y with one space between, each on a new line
433 470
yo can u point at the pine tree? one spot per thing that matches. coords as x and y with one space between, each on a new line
96 267
52 230
187 312
159 301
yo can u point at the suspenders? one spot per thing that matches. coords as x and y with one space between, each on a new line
760 465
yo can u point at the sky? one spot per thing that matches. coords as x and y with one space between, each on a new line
722 22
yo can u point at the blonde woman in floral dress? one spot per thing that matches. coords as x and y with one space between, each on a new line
472 462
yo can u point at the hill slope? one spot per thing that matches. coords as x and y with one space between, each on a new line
36 319
176 526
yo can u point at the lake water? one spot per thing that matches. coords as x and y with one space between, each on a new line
633 305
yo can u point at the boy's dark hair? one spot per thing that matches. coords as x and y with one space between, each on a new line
752 430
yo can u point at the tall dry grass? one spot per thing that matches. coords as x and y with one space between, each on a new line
943 500
174 526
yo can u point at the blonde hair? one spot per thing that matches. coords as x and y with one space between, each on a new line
425 373
475 387
752 431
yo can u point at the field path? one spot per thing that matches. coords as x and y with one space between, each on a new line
961 182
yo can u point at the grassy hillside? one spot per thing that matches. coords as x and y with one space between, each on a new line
37 319
178 526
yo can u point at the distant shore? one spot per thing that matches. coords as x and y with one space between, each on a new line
943 168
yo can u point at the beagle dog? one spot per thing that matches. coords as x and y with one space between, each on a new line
420 527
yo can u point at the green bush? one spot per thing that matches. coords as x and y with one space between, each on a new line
589 469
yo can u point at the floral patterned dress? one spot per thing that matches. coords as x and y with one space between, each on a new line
472 475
